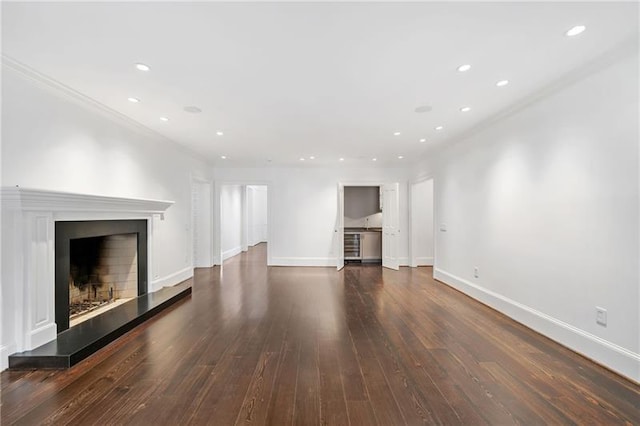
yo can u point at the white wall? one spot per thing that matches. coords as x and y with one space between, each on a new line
231 216
303 208
362 207
422 223
202 224
53 141
545 203
257 214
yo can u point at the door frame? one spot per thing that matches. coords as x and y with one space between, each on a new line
413 221
217 216
342 184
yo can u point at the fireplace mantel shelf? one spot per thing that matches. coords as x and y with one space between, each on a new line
45 200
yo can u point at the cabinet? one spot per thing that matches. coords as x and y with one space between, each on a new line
371 243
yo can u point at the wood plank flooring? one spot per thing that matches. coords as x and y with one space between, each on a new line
364 346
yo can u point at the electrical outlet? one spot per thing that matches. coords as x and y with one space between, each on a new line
476 271
601 316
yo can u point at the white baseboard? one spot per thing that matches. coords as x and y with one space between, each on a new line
424 261
5 351
303 261
617 358
231 252
172 279
403 261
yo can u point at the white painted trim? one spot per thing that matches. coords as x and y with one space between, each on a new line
5 351
42 335
172 279
87 102
231 252
304 261
57 201
424 261
617 358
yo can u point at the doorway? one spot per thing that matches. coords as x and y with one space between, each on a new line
355 220
241 219
422 223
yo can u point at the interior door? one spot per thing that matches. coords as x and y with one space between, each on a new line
339 231
390 229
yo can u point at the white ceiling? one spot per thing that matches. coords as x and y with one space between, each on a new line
291 80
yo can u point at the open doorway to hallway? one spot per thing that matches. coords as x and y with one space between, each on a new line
242 219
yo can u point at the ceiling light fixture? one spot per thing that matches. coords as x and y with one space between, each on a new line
396 134
439 128
423 140
423 108
224 157
164 119
464 68
312 158
142 67
465 109
133 100
219 133
502 83
341 159
374 159
301 159
578 29
400 157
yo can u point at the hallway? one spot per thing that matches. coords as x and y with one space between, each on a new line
363 346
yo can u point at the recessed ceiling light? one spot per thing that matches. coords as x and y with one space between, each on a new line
396 133
164 119
400 157
465 109
423 140
502 83
439 128
219 133
423 108
142 67
374 159
133 100
341 159
192 109
578 29
301 159
465 67
312 158
224 157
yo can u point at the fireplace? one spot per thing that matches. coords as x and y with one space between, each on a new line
98 265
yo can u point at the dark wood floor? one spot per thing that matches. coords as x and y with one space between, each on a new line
305 346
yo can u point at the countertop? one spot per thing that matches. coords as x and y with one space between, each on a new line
362 229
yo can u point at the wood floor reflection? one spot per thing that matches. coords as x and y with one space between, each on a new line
364 346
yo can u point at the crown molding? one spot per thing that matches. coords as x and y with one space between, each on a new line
69 93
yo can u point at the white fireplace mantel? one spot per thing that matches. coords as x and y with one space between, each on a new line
28 257
54 201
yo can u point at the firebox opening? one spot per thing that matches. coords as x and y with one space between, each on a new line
103 273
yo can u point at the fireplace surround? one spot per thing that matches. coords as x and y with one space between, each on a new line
28 255
69 232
